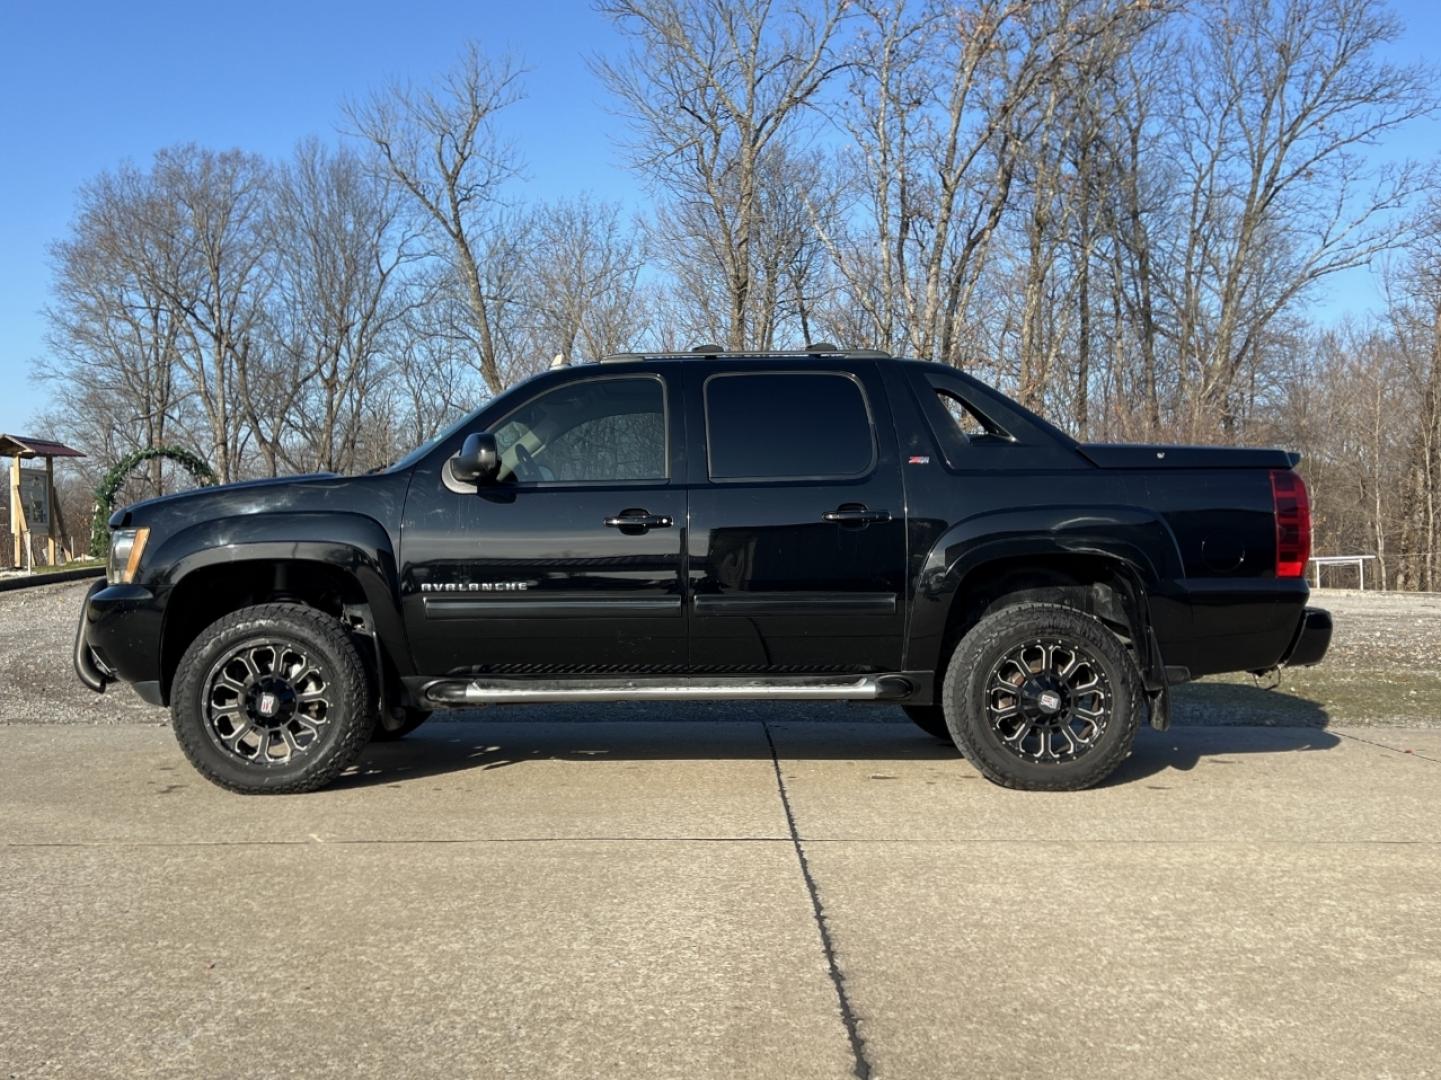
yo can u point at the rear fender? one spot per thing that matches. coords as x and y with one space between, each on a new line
1135 544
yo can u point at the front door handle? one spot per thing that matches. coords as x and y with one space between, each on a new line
856 514
639 520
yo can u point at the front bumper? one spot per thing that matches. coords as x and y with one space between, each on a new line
93 672
118 639
1313 638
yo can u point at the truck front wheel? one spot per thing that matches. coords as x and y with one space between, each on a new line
1042 697
272 699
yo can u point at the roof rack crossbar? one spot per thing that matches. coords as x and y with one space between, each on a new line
716 352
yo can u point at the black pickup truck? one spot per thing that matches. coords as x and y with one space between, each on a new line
822 524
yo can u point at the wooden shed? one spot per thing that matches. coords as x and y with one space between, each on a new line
33 506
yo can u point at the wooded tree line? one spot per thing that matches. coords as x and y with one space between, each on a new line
1120 211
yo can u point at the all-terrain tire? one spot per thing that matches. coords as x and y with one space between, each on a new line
973 669
929 718
398 723
325 645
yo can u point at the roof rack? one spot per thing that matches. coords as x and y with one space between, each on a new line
712 352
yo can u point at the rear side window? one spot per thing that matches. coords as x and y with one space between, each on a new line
787 426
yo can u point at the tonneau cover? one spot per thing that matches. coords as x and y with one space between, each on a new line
1135 456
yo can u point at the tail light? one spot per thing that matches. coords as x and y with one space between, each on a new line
1292 508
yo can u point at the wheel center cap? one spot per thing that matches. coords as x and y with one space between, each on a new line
1043 699
271 702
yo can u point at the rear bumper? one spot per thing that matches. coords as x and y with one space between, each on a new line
1212 626
118 639
1313 638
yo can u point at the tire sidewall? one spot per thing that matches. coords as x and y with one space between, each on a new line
984 646
336 745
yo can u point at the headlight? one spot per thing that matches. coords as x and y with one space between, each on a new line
126 547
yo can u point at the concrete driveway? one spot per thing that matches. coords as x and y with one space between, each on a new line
773 897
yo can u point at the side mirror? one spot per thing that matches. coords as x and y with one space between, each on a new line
478 460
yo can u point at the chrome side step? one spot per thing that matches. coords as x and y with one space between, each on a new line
498 691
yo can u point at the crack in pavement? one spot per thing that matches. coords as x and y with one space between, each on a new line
861 1066
1383 746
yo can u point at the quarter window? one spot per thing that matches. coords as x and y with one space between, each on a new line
964 419
593 431
787 425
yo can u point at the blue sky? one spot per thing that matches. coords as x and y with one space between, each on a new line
86 85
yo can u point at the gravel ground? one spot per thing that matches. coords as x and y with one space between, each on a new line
1384 669
37 682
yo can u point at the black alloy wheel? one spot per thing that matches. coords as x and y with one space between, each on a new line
272 699
267 702
1048 700
1043 697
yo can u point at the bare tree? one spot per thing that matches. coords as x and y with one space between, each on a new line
944 103
710 87
583 264
1416 326
336 304
1281 99
1118 210
442 147
113 334
205 253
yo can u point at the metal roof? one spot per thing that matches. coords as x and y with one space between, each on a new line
26 446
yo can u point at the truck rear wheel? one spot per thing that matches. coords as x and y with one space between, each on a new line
1042 697
272 699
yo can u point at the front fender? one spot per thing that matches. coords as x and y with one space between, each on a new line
1136 540
358 545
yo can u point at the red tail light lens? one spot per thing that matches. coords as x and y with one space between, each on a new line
1293 523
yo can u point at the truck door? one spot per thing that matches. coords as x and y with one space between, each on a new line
796 547
570 560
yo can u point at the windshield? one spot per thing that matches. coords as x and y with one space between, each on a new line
453 428
435 440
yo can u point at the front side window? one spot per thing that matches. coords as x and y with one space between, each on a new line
787 426
595 431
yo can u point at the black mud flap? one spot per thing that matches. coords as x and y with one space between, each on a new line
1160 703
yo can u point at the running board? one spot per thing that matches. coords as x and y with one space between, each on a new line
491 691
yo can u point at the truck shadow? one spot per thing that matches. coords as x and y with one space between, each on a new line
1214 723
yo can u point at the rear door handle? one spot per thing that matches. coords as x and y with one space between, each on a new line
639 520
856 514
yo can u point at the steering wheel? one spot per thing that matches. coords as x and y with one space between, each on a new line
525 467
